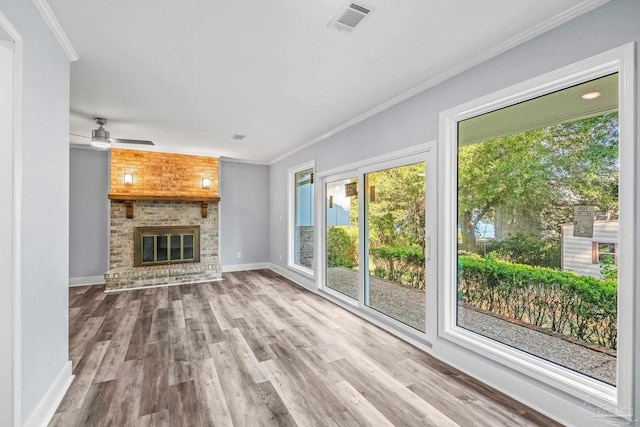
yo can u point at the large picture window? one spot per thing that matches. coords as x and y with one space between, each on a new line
542 174
301 233
515 192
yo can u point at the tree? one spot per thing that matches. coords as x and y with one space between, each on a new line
584 156
397 214
545 172
503 172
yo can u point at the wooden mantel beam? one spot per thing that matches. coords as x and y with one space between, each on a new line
128 199
129 206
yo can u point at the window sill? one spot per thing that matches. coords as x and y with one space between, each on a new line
556 376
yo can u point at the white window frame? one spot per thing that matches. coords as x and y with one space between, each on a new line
598 253
291 191
321 233
615 399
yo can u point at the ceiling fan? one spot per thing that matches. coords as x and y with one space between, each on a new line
100 137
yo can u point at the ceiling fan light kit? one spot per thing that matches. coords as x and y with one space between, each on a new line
100 136
100 144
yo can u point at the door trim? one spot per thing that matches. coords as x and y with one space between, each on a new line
16 189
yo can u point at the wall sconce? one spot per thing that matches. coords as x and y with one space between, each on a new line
128 179
206 183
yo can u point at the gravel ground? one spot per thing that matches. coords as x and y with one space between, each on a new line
384 296
582 359
408 306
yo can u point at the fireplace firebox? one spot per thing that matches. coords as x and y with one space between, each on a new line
166 245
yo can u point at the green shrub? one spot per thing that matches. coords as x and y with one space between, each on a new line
580 306
526 249
609 269
341 248
404 264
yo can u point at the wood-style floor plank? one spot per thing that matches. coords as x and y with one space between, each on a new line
125 405
210 393
120 342
155 382
256 350
84 373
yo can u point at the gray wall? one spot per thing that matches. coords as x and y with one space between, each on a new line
244 213
45 205
88 212
415 121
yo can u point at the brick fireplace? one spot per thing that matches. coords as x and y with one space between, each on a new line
162 190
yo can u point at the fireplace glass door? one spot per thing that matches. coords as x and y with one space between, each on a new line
166 245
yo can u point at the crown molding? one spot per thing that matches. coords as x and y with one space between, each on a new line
7 28
247 162
535 31
55 27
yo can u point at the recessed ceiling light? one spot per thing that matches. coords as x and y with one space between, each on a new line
591 95
238 136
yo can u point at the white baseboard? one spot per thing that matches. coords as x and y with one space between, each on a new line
245 267
86 281
49 403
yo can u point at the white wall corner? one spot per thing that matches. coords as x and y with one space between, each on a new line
49 403
55 27
86 281
245 267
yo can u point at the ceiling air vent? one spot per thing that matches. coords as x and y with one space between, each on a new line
349 18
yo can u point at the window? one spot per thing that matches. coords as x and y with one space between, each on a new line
603 253
526 172
527 181
301 233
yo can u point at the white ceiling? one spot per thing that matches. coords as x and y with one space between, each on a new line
188 75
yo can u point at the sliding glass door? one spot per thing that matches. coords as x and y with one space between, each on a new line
375 240
395 220
342 236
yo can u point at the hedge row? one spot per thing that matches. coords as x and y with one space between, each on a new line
404 264
583 307
580 306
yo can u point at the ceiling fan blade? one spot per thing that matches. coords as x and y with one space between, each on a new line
130 141
81 136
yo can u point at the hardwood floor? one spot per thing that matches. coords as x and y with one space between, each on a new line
257 350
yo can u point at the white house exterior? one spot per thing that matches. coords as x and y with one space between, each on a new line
583 254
